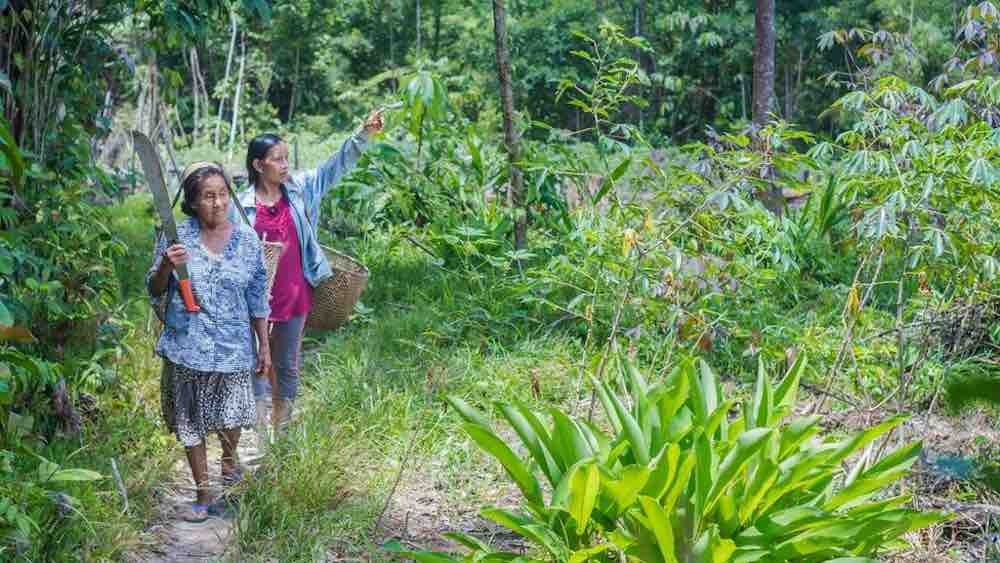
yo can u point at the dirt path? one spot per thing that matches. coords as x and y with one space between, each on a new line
175 541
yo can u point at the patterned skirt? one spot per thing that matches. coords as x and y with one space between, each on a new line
194 403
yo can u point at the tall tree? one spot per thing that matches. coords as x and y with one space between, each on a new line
417 28
239 90
509 133
225 81
763 61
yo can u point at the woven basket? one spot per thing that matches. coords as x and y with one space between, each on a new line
272 252
334 298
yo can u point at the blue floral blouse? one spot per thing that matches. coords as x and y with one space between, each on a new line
230 288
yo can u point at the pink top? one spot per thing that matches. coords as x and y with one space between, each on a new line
291 295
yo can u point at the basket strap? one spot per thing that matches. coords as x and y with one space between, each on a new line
177 196
239 206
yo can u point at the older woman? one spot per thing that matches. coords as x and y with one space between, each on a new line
285 209
213 352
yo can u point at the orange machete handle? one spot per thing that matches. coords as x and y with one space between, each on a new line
188 296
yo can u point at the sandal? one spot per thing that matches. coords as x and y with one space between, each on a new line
198 513
232 478
201 512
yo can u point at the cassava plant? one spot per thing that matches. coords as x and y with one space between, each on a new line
677 479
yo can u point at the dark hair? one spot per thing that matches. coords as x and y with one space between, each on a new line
257 150
192 185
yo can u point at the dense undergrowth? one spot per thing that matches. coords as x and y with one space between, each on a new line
868 252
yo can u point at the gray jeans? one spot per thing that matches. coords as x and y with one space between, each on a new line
286 356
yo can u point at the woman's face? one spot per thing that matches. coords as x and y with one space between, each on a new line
213 201
273 168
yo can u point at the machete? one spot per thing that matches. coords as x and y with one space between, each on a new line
161 199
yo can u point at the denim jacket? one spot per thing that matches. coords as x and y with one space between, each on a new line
231 290
305 192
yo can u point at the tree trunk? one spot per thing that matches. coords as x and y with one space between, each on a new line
510 135
239 90
148 101
201 86
641 58
195 93
295 85
417 26
225 81
763 61
387 15
437 27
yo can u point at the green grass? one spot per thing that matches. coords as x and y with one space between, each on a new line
373 397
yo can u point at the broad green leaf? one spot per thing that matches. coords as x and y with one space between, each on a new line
760 409
749 555
625 490
679 426
790 520
640 448
823 539
796 433
894 523
468 412
603 393
879 507
532 442
9 148
637 382
529 528
568 440
583 555
609 181
859 466
862 439
796 472
709 391
727 515
46 469
468 541
698 402
886 471
677 386
764 478
680 481
6 319
419 556
494 446
786 393
663 472
599 443
705 472
717 418
577 492
76 475
711 548
658 521
543 436
747 445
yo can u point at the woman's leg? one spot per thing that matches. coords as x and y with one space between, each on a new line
230 440
286 349
198 460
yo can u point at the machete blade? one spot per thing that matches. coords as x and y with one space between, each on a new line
161 200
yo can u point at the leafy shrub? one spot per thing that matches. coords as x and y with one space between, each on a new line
677 479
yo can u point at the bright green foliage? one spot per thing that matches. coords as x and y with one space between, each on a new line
677 479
